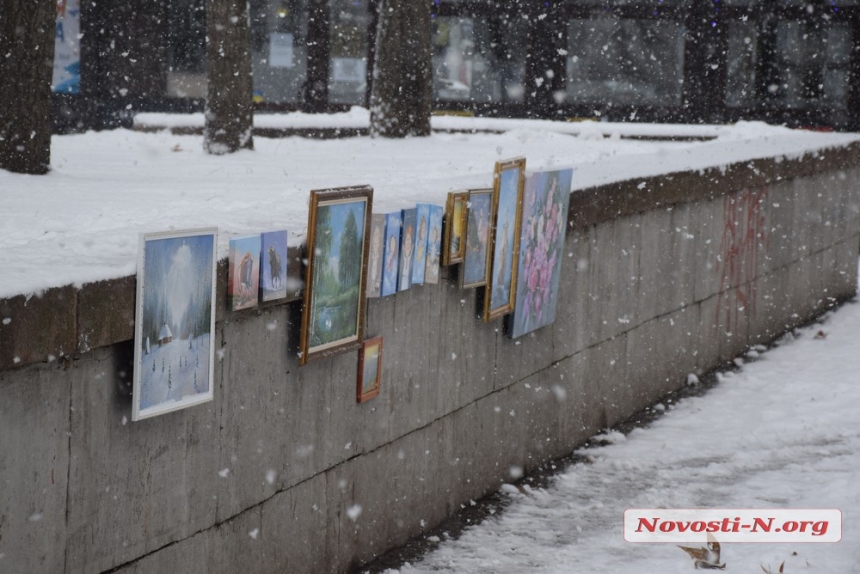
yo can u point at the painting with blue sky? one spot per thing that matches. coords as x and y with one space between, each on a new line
337 272
391 256
407 249
505 235
474 269
419 262
434 245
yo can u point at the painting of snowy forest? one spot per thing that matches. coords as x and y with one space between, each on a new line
333 316
175 322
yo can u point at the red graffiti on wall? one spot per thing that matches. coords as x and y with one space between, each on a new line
744 234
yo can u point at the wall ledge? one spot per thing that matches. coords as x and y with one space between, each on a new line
66 321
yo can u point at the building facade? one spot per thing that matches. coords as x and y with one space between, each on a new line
783 61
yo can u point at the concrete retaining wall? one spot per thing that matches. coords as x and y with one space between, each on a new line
665 276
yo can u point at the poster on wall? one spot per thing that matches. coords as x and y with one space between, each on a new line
544 226
67 48
348 70
335 277
280 50
504 238
174 322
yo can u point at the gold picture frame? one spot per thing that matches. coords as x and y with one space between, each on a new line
504 240
334 297
369 369
454 228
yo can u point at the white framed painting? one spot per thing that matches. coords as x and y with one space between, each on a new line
174 350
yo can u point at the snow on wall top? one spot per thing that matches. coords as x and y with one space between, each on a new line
82 221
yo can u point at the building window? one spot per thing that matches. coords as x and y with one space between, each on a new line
349 25
479 59
614 61
278 49
186 53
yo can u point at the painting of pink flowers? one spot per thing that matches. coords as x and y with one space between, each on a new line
544 223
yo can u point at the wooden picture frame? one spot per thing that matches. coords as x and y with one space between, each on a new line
334 307
454 228
369 369
473 270
174 350
504 242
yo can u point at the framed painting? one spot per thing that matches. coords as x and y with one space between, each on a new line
499 299
434 245
453 243
543 229
337 244
369 369
243 279
477 234
419 261
273 265
391 253
407 249
174 349
376 256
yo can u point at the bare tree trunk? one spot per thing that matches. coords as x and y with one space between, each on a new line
27 29
402 72
229 102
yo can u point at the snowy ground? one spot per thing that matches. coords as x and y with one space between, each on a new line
81 222
782 432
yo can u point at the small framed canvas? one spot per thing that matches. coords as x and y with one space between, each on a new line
369 369
434 245
477 234
391 254
407 249
174 349
273 265
419 261
453 243
504 246
337 245
375 258
243 280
